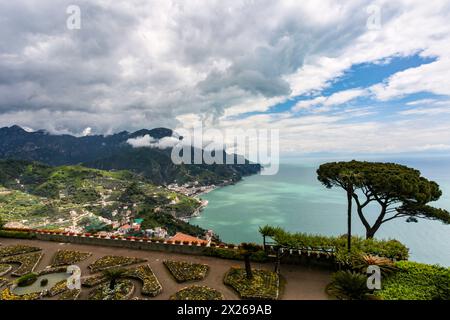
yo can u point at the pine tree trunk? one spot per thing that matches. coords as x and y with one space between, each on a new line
248 267
349 220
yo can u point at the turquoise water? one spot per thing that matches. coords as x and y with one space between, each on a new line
296 201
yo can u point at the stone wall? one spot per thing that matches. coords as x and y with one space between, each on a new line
138 244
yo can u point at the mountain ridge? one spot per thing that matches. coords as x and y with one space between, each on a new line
113 152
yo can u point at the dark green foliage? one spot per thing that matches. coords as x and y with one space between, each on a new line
416 281
398 190
44 282
392 249
349 285
16 234
27 279
232 254
112 275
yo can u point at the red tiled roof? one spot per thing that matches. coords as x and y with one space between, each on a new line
185 237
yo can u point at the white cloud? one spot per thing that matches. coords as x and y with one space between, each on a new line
433 78
336 98
150 142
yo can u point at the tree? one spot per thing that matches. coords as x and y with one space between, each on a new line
267 231
346 179
112 275
246 250
400 191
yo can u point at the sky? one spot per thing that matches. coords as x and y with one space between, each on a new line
332 76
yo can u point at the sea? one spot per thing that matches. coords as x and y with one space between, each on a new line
295 200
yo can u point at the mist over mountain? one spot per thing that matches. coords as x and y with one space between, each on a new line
113 152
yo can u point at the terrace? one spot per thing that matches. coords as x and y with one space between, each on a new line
148 273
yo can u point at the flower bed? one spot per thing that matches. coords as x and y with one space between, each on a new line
6 294
197 293
150 284
70 295
107 262
263 286
68 257
4 269
93 281
184 271
122 291
58 288
16 249
3 281
27 262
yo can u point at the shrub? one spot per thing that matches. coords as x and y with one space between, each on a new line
224 253
417 281
349 285
27 279
17 234
391 249
44 282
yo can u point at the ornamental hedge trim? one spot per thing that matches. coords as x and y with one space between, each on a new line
123 291
107 262
27 262
264 285
93 281
184 271
150 284
4 269
16 250
70 295
197 293
69 257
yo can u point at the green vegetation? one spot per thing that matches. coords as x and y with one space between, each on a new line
27 262
247 250
264 284
16 234
398 190
68 257
4 269
416 281
107 262
391 249
232 254
112 275
70 294
349 285
7 295
53 197
184 271
27 279
150 284
17 249
197 293
123 289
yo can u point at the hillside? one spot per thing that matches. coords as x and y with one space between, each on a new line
84 199
113 152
